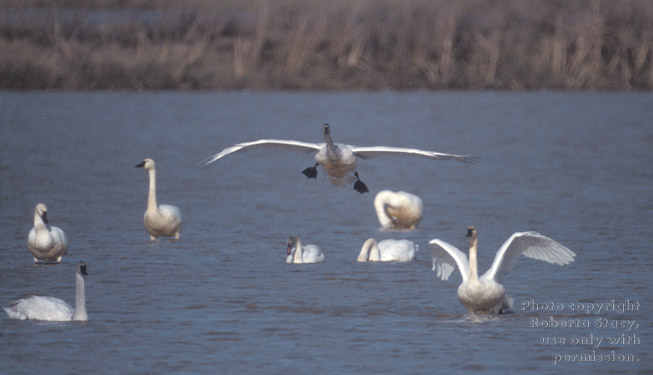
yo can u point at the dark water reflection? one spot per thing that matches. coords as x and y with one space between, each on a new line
574 166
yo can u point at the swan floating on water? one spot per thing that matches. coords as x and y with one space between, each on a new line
486 294
50 308
296 253
48 245
398 210
387 251
337 159
160 220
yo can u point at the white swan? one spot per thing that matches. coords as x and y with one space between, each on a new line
160 220
48 245
50 308
387 251
486 294
296 253
337 159
398 210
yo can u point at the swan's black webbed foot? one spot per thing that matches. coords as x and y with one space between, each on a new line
311 172
359 186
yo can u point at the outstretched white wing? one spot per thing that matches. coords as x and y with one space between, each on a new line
532 245
262 144
377 151
445 259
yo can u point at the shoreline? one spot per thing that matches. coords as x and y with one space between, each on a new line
359 45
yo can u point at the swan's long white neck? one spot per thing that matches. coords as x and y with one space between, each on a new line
332 150
43 236
473 269
151 197
298 256
80 300
38 220
370 251
380 205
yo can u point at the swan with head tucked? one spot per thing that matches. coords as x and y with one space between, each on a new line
387 251
398 210
46 244
296 253
50 308
337 159
160 220
485 294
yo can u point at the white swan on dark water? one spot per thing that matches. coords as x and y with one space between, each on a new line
485 294
337 159
398 210
46 244
50 308
387 251
296 253
160 220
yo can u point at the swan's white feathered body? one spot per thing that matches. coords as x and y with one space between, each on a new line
339 164
50 308
166 221
338 160
387 251
41 308
160 220
46 244
296 253
398 210
485 293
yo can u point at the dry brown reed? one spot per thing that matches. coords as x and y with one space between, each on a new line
336 44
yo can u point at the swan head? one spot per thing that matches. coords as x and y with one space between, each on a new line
146 164
81 268
326 129
42 210
472 234
291 242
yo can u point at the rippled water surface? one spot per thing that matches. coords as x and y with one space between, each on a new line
573 166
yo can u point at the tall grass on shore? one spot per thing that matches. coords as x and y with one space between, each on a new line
336 44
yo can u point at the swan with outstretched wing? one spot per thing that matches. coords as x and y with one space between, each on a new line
486 294
338 160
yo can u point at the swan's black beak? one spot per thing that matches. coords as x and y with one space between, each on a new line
45 217
140 165
82 268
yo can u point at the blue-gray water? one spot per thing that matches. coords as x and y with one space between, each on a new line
574 166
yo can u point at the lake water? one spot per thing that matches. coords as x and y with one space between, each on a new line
576 167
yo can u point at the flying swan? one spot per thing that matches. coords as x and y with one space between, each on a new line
486 294
296 253
50 308
160 220
398 210
48 245
337 159
387 251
